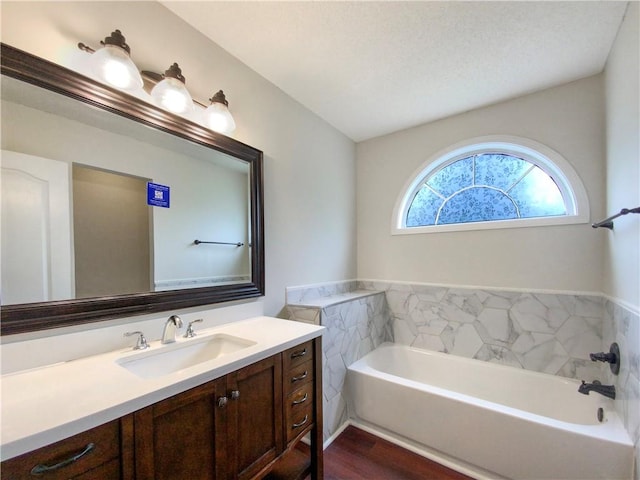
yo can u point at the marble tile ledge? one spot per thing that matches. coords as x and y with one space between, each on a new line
336 299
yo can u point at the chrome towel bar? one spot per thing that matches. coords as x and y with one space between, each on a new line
237 244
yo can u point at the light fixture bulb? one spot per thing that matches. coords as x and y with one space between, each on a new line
113 65
217 115
171 93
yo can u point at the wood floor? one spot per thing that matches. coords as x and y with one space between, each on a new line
358 455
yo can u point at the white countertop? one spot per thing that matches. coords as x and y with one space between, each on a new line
48 404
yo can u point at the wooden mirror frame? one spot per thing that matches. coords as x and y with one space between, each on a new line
30 317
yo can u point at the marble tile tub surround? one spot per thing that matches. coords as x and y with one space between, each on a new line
622 325
356 323
544 332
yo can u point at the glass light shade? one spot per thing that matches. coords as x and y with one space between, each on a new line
219 119
172 95
113 65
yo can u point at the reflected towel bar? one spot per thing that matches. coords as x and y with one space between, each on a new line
237 244
608 222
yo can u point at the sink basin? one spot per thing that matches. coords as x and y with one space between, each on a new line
178 356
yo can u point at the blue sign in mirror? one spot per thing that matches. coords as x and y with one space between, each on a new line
158 195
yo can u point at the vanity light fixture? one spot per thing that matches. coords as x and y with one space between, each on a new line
112 63
171 92
217 115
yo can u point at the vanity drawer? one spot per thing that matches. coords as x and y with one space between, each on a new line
297 355
299 421
298 376
299 399
100 444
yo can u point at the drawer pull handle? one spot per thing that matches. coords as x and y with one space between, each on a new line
302 400
299 353
222 402
41 469
235 394
300 377
298 425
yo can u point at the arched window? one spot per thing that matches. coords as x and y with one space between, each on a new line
493 182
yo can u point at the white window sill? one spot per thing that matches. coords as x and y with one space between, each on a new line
496 224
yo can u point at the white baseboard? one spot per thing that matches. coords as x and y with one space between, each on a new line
335 435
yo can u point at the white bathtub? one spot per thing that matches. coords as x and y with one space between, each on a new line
489 420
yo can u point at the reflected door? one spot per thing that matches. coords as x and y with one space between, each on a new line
112 233
36 229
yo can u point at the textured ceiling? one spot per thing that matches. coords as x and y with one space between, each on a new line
372 68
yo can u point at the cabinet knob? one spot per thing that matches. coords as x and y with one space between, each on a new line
222 402
235 394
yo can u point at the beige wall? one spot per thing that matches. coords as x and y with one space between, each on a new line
622 247
569 119
309 166
622 255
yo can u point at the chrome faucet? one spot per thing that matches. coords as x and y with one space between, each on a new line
596 386
169 334
190 333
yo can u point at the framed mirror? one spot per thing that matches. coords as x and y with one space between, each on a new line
112 207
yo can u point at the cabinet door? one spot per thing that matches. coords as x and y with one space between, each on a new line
182 437
255 434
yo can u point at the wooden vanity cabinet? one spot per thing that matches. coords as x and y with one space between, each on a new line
242 426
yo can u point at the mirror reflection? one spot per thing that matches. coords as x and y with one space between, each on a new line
94 204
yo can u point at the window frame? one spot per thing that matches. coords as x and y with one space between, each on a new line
550 161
